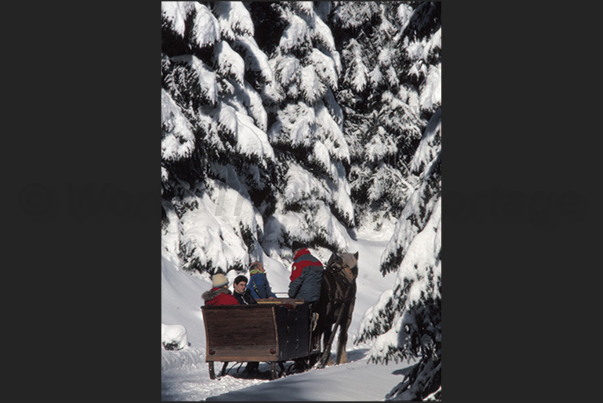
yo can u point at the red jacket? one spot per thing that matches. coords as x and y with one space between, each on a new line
219 296
306 277
302 259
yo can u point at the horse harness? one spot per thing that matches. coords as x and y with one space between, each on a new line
343 274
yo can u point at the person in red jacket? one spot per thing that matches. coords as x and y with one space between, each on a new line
219 294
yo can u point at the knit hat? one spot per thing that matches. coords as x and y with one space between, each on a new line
256 266
298 245
240 278
219 280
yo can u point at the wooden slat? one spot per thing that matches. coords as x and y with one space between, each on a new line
278 301
248 333
242 353
241 325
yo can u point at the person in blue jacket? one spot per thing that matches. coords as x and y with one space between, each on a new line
258 282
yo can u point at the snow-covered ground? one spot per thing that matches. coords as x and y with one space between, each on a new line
185 375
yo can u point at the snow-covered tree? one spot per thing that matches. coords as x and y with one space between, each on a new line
406 321
215 149
313 195
381 99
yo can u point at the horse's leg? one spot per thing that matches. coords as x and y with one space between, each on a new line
328 330
342 356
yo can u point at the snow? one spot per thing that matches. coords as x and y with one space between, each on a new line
234 19
325 67
173 334
295 35
178 139
185 375
414 269
430 143
294 125
207 77
311 87
431 92
250 140
206 28
358 73
255 59
229 62
176 13
287 70
323 34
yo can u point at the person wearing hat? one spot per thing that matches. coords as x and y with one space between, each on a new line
219 294
306 282
258 282
241 293
306 274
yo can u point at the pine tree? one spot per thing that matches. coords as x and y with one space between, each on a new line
215 151
380 99
313 194
406 321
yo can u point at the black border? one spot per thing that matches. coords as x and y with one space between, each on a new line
516 123
83 84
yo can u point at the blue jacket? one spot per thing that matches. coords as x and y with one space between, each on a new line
259 286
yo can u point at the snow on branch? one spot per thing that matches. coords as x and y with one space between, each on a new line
210 236
287 70
295 125
255 59
324 66
431 90
295 35
430 144
354 14
229 62
414 217
234 19
417 281
253 103
206 28
176 12
178 140
419 51
331 133
311 87
403 14
322 34
304 7
357 72
249 139
207 77
303 185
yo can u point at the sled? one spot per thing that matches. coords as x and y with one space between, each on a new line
273 331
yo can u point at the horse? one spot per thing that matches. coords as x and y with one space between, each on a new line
337 298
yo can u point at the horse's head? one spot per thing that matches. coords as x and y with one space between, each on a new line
338 261
350 260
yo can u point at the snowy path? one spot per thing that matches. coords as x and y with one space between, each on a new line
355 381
